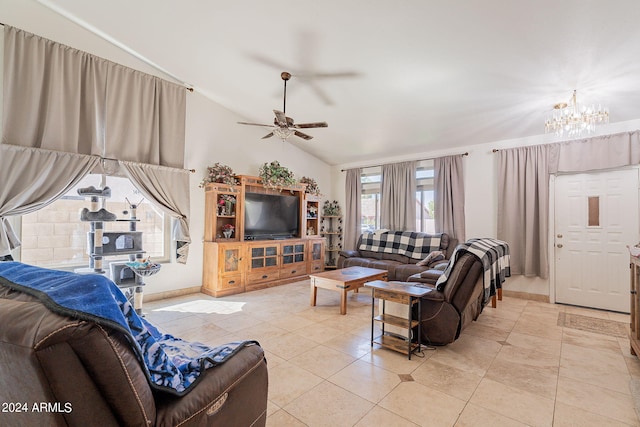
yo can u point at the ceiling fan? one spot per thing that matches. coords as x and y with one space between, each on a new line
283 126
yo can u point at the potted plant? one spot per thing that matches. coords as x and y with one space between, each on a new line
219 173
312 186
331 208
227 230
274 175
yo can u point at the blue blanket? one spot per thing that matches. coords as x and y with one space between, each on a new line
171 364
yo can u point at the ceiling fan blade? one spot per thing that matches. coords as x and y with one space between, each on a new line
311 125
344 74
281 118
269 135
254 124
302 135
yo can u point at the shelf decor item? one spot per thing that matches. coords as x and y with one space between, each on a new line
312 186
219 173
227 230
226 203
276 176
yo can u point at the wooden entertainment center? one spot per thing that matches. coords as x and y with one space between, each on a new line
235 264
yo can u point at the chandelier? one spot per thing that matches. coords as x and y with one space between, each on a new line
574 118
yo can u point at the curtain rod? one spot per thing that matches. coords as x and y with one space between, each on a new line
428 158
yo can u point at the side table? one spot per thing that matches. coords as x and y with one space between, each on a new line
402 293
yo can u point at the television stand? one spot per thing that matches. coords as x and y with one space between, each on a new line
248 261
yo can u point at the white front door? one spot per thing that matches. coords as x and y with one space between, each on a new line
596 216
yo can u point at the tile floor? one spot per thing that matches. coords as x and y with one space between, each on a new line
513 367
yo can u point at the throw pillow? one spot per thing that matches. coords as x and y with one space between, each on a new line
432 257
440 266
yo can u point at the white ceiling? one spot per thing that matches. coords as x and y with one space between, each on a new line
408 75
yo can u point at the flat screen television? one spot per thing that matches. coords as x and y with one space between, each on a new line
271 216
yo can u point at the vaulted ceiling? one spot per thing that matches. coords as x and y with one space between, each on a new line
389 77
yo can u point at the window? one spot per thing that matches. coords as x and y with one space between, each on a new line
55 236
370 199
371 180
425 203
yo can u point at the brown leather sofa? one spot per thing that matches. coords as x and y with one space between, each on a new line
399 267
447 312
57 371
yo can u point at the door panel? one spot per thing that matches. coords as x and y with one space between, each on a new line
596 216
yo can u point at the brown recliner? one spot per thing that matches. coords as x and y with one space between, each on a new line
446 313
57 371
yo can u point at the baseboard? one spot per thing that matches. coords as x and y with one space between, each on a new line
171 294
526 295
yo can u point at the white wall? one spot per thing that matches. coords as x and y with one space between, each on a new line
481 189
212 134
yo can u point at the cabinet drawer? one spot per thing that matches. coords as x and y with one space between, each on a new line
293 270
263 276
316 267
231 282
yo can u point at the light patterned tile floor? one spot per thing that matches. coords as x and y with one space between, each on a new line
513 367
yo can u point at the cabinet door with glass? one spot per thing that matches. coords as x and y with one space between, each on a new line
316 255
294 260
230 259
223 269
263 262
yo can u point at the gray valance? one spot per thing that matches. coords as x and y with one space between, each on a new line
63 99
597 153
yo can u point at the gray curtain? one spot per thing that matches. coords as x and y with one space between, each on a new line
449 196
353 208
63 99
523 189
398 196
523 206
165 188
68 101
33 178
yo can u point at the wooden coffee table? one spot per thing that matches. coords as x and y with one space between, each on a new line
344 280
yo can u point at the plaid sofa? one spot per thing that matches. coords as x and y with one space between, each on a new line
397 252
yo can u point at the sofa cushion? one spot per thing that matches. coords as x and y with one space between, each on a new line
403 272
397 258
370 254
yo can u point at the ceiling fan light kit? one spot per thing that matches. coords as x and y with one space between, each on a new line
283 127
573 119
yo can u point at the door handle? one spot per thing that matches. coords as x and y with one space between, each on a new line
559 245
